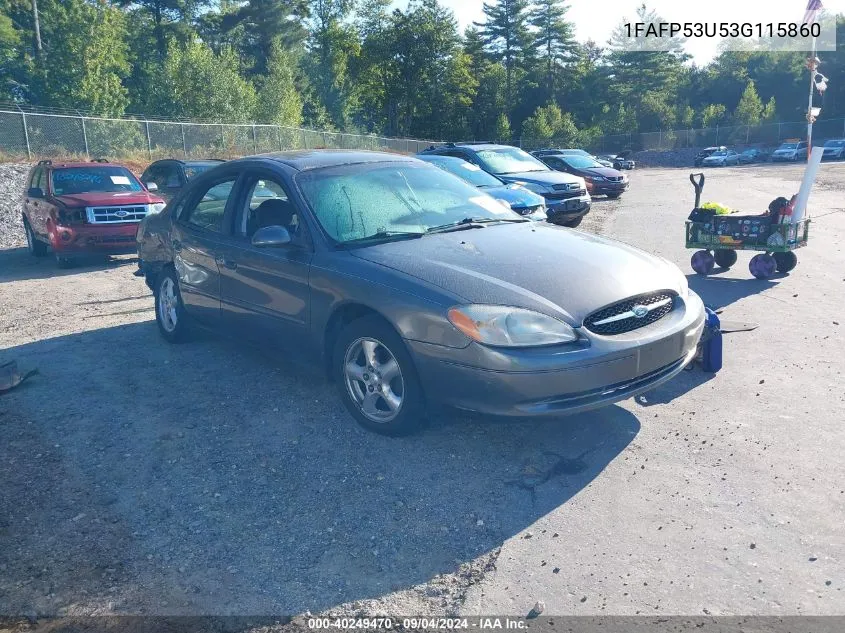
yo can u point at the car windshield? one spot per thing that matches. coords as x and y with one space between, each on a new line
473 174
581 162
192 171
835 144
509 160
383 200
105 179
574 152
720 153
789 146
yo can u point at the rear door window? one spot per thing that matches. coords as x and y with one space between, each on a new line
206 212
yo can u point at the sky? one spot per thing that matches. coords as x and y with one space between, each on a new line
595 19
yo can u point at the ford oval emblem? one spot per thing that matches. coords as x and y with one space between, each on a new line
640 311
121 213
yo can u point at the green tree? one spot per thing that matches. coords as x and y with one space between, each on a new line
168 16
10 55
261 23
549 122
770 111
554 36
713 114
196 83
279 101
749 110
84 58
507 37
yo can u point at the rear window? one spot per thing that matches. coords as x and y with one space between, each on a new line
192 171
71 180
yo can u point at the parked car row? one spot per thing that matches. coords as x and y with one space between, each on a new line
789 151
411 286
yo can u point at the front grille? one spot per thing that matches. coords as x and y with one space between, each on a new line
620 318
615 178
572 186
564 195
113 215
111 239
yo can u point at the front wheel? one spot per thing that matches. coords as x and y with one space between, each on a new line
36 247
725 258
574 223
170 312
703 262
762 266
377 379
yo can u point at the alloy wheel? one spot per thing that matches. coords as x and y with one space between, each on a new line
374 379
167 304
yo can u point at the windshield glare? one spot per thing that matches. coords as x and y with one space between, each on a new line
509 160
581 162
72 180
353 202
473 174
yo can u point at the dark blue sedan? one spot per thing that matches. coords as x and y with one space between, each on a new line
526 203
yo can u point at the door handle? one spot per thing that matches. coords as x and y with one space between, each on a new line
228 263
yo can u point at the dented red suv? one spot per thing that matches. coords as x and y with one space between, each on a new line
80 209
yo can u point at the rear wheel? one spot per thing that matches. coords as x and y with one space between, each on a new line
574 223
36 247
725 258
785 261
377 379
703 262
170 312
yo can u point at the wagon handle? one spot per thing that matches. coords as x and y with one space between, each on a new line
699 186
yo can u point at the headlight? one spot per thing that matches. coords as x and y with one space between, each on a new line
158 207
535 187
510 327
597 178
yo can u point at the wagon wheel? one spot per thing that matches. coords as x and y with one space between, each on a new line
762 266
725 258
703 262
786 261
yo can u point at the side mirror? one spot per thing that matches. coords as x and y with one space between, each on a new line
151 186
35 192
270 236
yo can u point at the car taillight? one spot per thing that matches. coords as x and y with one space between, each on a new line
71 216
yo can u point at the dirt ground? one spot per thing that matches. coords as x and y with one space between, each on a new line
138 477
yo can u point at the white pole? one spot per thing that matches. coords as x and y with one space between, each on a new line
813 162
812 65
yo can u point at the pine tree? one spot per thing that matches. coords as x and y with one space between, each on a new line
507 38
554 36
749 110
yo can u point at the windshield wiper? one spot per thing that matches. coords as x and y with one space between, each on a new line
385 236
470 223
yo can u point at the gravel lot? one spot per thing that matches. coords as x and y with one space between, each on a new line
138 477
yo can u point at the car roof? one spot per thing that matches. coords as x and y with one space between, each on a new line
306 159
79 163
473 146
442 158
189 161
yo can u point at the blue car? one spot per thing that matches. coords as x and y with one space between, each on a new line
524 202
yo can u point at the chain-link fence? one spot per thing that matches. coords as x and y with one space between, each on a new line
768 135
36 135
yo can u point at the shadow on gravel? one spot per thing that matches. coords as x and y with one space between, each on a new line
16 264
206 479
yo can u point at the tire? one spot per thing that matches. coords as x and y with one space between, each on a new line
785 261
366 351
762 266
725 258
170 312
703 262
36 247
63 262
574 223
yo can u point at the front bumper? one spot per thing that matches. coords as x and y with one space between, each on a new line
604 188
784 157
81 240
562 379
568 209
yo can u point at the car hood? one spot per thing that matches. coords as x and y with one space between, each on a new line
516 196
541 177
785 151
108 199
560 272
605 172
714 159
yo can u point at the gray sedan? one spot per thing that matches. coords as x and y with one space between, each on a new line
413 287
